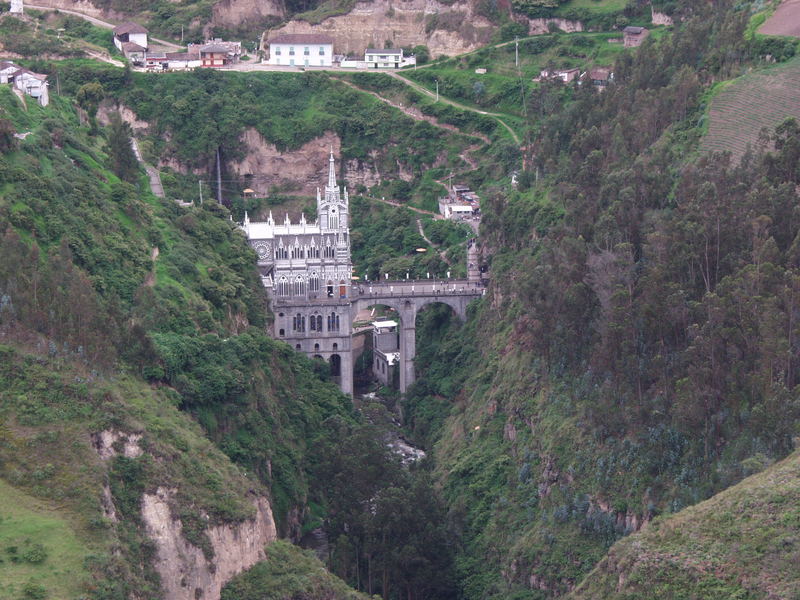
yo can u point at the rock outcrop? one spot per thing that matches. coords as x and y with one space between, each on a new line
541 26
186 573
445 28
229 13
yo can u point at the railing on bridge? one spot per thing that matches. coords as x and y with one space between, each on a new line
424 287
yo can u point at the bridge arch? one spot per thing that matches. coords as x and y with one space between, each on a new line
407 308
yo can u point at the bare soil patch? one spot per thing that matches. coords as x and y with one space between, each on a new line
784 21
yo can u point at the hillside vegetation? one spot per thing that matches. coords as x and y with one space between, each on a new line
742 543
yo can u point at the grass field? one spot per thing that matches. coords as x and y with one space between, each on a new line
742 109
595 6
38 550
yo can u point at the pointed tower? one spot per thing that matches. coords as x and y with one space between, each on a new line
333 207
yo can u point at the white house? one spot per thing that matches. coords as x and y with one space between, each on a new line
130 32
182 60
385 350
33 84
7 69
16 7
388 58
301 50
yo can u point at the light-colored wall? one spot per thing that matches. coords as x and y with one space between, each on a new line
315 59
138 38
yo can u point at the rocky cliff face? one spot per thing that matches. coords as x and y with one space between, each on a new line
235 12
298 171
541 26
186 573
445 28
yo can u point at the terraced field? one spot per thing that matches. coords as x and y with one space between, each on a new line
752 102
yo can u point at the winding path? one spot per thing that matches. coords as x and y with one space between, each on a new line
427 92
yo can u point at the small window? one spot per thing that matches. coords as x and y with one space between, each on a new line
322 50
277 51
281 333
306 51
291 50
298 347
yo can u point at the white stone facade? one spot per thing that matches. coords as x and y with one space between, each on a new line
301 50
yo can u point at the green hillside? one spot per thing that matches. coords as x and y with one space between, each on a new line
742 543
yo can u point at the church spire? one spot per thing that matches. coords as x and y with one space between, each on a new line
331 172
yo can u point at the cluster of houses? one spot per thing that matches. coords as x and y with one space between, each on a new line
26 81
461 204
131 39
316 50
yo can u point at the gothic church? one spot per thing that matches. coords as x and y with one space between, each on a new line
306 268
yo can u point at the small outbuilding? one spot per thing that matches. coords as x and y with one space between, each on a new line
634 36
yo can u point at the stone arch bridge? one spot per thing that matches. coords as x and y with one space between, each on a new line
407 298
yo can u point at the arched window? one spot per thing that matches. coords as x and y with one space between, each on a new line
299 286
281 252
298 347
313 251
283 287
313 282
329 250
316 347
319 322
312 323
333 322
297 252
333 219
281 333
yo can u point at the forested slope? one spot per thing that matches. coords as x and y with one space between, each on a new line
638 351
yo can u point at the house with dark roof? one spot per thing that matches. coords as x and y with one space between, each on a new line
387 58
130 32
599 77
301 50
633 36
216 52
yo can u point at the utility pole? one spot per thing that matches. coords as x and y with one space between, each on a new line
437 90
181 34
516 52
200 185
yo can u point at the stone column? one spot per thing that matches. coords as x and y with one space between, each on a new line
408 348
346 383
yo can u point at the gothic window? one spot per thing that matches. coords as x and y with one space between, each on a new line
329 250
319 322
333 219
281 333
281 252
333 322
283 287
298 347
299 286
299 323
313 251
297 252
313 282
312 323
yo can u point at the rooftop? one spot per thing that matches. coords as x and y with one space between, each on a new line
129 27
393 51
301 38
384 324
